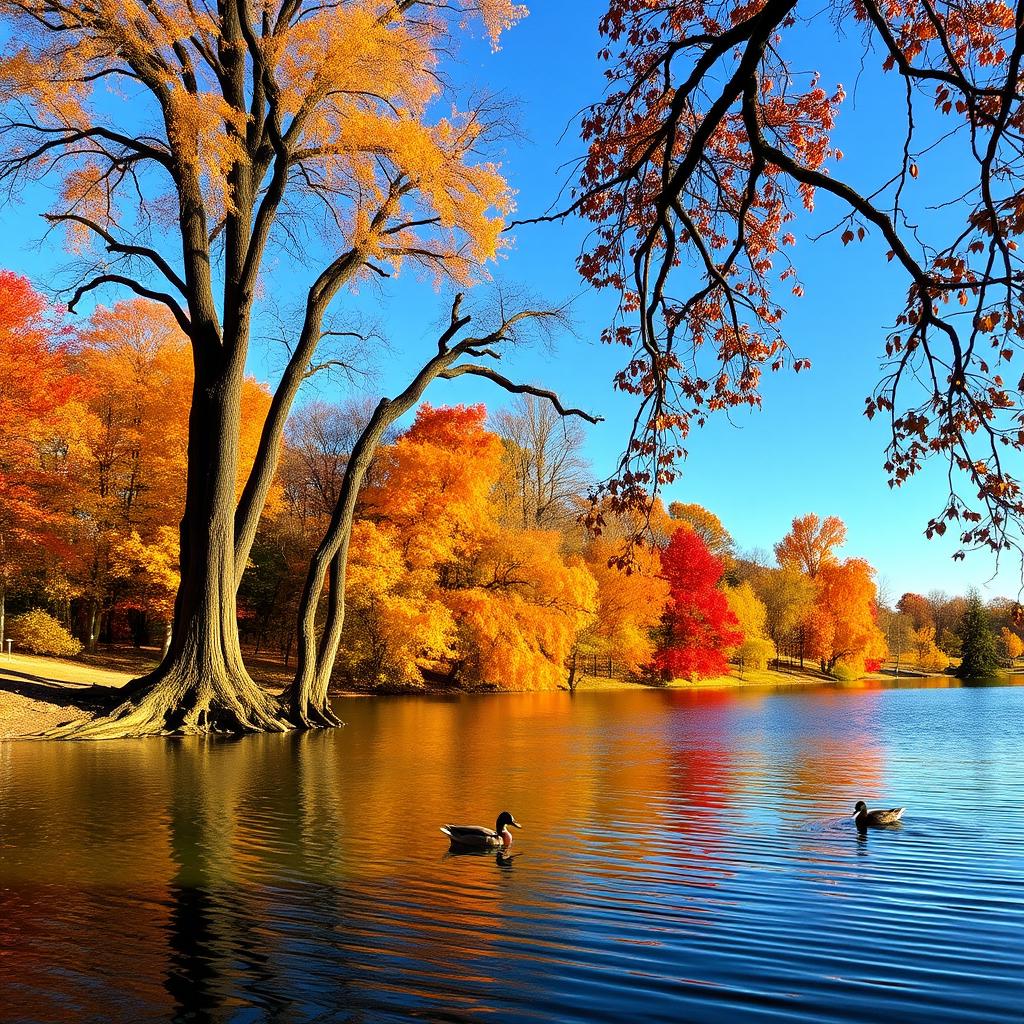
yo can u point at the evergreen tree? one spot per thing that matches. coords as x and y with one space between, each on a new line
979 656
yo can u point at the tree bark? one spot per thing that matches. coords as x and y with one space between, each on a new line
201 685
307 697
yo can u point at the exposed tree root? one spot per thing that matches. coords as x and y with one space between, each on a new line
312 717
168 703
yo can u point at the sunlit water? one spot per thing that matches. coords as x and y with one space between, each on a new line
685 857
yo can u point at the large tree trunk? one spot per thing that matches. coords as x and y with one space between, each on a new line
201 685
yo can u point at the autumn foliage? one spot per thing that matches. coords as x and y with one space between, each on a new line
714 136
700 628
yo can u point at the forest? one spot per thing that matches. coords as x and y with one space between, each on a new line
190 160
470 562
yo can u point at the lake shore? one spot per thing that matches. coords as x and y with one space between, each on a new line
38 693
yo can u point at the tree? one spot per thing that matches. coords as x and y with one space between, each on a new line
929 657
37 407
756 649
547 473
258 118
899 634
707 526
153 572
811 544
437 587
1012 645
710 139
788 596
699 627
918 609
519 618
978 656
842 624
132 453
630 604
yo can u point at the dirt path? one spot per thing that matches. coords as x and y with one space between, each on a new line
37 693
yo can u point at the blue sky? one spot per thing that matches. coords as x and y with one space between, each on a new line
809 449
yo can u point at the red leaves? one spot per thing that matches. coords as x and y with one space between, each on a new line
700 625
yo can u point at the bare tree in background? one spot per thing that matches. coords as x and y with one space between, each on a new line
548 472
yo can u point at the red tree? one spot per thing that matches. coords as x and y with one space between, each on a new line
700 627
35 390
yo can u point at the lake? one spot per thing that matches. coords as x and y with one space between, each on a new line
685 856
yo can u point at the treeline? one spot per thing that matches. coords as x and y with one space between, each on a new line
468 564
93 450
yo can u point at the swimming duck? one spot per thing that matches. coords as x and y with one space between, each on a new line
875 819
479 837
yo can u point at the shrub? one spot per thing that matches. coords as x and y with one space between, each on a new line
755 653
849 669
40 633
933 660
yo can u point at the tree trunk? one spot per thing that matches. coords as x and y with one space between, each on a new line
307 696
201 684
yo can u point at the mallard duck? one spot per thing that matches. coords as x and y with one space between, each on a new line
875 819
479 837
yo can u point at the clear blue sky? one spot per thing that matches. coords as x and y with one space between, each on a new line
808 450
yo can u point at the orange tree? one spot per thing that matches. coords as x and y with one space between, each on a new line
184 142
709 141
437 585
843 623
37 401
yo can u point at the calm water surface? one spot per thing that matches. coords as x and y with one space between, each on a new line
686 857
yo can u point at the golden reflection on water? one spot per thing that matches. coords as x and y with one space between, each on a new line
154 880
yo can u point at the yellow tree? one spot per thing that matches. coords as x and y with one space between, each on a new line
630 603
756 649
183 143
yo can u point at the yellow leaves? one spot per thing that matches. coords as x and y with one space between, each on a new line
151 568
518 625
500 15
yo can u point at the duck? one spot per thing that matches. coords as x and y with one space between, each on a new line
479 837
875 819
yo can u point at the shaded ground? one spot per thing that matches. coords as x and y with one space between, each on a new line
38 693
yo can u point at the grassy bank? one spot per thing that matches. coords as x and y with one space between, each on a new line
787 676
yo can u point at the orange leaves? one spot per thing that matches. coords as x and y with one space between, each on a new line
811 543
842 626
629 603
436 585
989 322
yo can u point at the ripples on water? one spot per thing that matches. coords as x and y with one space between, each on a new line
685 857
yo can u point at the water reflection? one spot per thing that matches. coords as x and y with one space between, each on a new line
689 850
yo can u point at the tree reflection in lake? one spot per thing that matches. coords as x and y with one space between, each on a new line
690 849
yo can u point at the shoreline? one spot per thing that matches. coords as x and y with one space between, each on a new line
37 692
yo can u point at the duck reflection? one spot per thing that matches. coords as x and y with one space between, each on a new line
503 858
